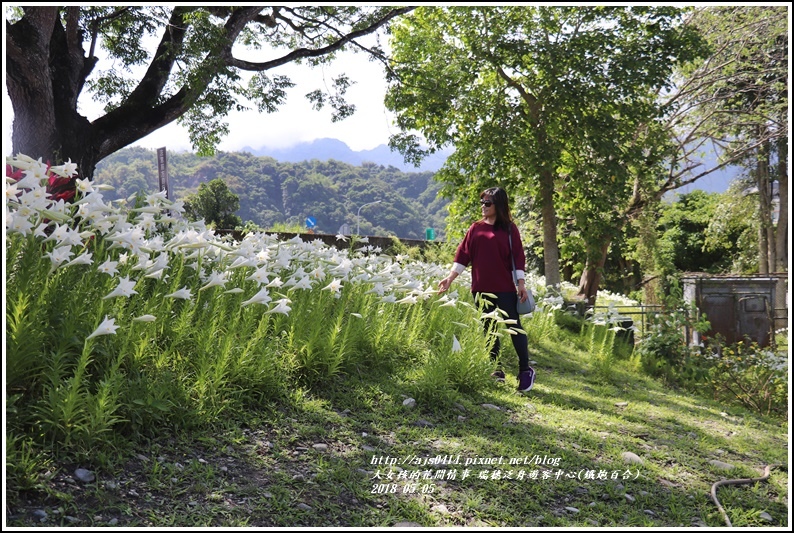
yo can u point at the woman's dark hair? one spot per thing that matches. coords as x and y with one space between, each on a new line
499 198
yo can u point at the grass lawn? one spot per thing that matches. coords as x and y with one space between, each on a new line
350 453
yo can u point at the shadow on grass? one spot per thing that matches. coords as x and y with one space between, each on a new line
349 453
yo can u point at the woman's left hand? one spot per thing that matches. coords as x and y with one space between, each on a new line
522 294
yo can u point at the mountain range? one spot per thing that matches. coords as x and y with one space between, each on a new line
327 149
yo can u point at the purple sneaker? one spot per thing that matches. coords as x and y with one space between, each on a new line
498 375
526 380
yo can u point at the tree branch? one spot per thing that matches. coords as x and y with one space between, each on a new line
301 53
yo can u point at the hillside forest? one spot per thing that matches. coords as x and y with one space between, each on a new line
281 195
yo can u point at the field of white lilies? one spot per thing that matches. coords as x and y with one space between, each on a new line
122 316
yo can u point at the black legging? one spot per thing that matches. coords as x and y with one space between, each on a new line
507 302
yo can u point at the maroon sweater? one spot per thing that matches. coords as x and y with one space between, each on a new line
488 251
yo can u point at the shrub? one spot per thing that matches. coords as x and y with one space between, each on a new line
663 350
753 376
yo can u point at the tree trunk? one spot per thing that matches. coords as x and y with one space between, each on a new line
46 70
591 277
781 231
30 91
551 255
764 217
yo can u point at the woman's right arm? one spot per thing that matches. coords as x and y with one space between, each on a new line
445 283
461 260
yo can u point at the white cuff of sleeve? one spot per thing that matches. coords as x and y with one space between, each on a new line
520 274
458 269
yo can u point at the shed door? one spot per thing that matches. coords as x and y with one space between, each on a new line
720 310
754 318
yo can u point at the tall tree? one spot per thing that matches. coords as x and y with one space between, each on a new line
215 204
537 99
193 75
735 102
731 231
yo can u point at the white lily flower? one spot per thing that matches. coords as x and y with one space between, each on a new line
18 224
67 170
281 307
59 234
343 268
148 209
335 286
145 318
30 181
304 283
183 293
493 315
160 262
410 299
40 230
35 176
157 274
11 191
107 327
236 290
275 284
455 344
425 294
146 222
56 212
102 225
221 246
157 198
84 186
378 289
216 280
261 297
364 276
243 262
82 259
446 301
410 285
59 255
177 207
260 275
125 288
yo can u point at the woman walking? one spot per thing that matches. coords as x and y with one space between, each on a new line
487 248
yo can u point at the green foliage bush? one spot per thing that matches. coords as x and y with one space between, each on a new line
753 376
568 320
663 350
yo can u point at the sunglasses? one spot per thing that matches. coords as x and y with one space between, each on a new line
486 203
